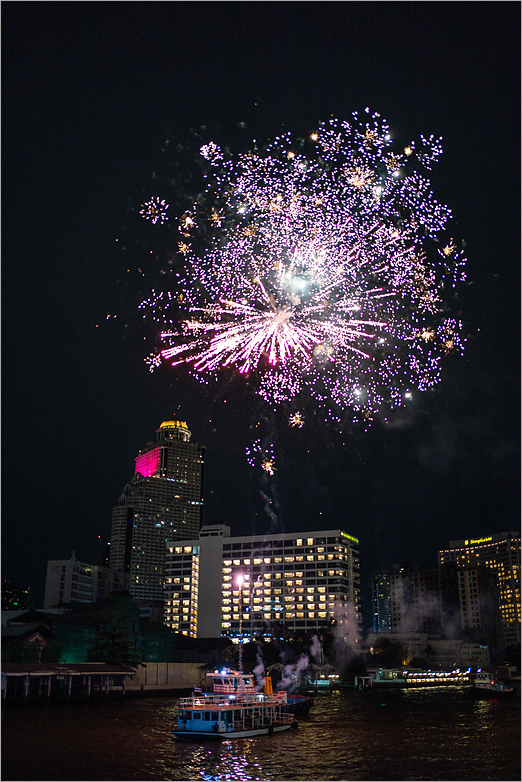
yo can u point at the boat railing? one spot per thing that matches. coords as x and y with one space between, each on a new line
261 722
210 702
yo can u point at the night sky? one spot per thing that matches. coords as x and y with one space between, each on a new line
91 92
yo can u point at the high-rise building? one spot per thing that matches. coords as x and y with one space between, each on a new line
501 553
71 581
163 501
382 593
437 601
218 585
14 598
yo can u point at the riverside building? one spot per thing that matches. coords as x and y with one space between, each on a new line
234 586
71 581
163 501
500 553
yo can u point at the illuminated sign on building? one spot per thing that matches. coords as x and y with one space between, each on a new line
478 540
350 537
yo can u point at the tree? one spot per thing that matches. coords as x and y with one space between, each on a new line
388 654
114 643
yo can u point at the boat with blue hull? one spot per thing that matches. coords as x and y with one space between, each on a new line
232 710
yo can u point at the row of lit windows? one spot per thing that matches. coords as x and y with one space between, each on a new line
279 560
271 615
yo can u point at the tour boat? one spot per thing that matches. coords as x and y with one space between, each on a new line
488 682
232 710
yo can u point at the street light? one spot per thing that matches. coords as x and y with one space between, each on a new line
239 581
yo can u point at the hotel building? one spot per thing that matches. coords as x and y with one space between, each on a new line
163 501
234 586
500 553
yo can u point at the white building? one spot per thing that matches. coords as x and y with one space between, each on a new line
218 585
70 581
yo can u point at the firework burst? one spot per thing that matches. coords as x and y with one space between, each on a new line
155 210
313 269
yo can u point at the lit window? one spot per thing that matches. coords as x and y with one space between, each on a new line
236 561
267 560
187 550
267 575
257 561
246 561
227 561
289 559
310 541
310 558
178 549
299 542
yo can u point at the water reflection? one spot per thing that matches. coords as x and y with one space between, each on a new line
386 735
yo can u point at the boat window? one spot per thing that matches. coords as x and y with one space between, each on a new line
196 715
214 715
206 715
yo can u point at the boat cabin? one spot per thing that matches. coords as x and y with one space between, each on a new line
232 682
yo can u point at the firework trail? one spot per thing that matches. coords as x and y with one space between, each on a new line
319 267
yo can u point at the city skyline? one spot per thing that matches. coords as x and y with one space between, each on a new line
87 118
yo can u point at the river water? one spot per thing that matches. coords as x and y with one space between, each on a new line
419 734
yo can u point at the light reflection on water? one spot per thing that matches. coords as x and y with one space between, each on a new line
381 735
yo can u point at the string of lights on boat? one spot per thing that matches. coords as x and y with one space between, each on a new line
322 266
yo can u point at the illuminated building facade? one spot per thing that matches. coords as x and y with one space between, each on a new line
382 597
501 554
163 501
233 586
14 598
71 581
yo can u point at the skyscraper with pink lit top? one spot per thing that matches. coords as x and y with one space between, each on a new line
163 501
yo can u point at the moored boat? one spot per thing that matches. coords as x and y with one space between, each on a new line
488 683
233 710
